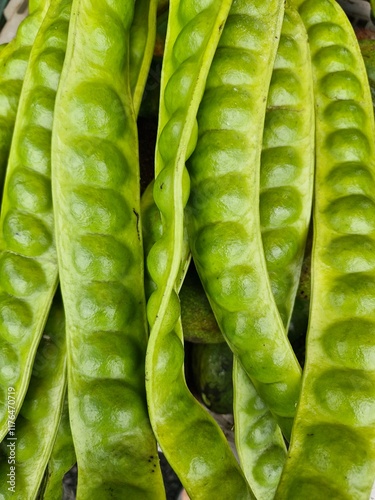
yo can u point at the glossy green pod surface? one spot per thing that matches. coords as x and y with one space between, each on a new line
14 59
142 41
286 175
224 204
332 451
95 184
193 443
28 261
28 445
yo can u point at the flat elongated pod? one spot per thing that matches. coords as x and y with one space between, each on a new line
28 261
61 460
191 440
142 41
96 190
29 442
332 451
13 62
286 177
224 225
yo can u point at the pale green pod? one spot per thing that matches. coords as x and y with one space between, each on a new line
28 445
28 261
95 185
332 451
287 164
192 441
142 41
14 60
225 233
62 459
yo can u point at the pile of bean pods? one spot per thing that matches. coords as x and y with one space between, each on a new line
265 139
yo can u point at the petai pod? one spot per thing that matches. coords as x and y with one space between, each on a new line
198 321
287 163
28 261
28 445
95 184
193 443
286 182
13 62
152 231
259 441
332 451
223 207
142 41
61 460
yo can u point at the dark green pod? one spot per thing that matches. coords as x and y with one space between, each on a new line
212 366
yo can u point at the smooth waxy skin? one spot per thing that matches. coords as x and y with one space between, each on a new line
142 41
224 205
286 174
28 261
192 441
95 185
332 452
37 423
13 63
62 458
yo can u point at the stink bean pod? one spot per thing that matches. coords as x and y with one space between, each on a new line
29 442
95 185
142 41
28 261
224 205
259 441
62 459
286 181
14 58
287 163
191 440
152 231
332 451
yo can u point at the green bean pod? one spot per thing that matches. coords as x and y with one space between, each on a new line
142 41
62 459
193 443
95 185
259 441
191 40
287 163
223 207
216 449
13 63
332 451
28 261
198 322
286 182
152 231
28 444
